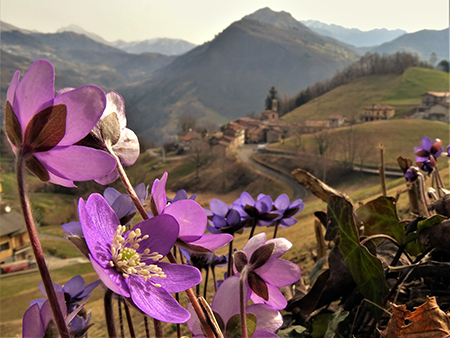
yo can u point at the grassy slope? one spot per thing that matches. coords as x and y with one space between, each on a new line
399 138
403 92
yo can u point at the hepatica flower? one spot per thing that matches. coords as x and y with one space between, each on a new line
42 128
258 213
260 262
428 153
288 210
225 306
190 216
224 219
128 263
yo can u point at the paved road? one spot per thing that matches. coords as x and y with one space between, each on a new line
245 155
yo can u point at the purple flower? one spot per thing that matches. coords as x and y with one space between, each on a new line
128 263
75 291
412 174
122 205
38 321
429 148
181 195
190 216
203 260
256 213
288 210
260 260
226 305
43 128
427 164
224 219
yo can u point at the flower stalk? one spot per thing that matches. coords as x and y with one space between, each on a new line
243 301
37 249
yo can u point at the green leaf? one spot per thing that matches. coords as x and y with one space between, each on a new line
336 318
430 222
296 331
46 128
320 325
380 217
365 268
234 327
12 126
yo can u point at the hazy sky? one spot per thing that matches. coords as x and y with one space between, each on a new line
198 21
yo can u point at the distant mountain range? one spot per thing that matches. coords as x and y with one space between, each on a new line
221 80
354 36
163 46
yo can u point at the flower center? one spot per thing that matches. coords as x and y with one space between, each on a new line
127 260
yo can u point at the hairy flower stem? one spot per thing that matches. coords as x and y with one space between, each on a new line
205 286
439 181
129 320
37 249
230 259
147 332
122 332
253 228
192 298
109 315
243 302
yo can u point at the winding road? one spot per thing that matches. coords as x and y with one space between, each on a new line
245 155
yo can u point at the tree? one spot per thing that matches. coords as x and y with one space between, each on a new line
198 149
187 123
322 141
444 66
273 94
433 58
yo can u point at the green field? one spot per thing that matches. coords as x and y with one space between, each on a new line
401 91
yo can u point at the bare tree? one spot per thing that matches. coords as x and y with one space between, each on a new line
198 149
322 142
187 123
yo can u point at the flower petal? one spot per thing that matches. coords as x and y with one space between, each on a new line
282 202
191 217
281 246
111 177
276 298
84 106
12 87
159 193
426 143
212 242
162 231
73 228
279 272
179 277
112 279
110 195
31 324
254 243
226 300
218 207
116 104
74 286
99 224
77 163
127 148
34 92
268 319
156 302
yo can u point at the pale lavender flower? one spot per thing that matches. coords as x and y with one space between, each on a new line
260 261
288 210
258 213
224 219
44 127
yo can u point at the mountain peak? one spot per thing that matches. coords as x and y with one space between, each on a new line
80 30
280 19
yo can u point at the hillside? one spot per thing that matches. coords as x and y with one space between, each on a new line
423 43
402 91
229 77
398 136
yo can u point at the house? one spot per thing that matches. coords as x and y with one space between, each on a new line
377 112
14 242
434 106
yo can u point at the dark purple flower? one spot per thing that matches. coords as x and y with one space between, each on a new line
225 305
412 174
259 213
203 260
128 263
260 260
75 291
288 210
190 216
427 164
429 148
43 128
224 219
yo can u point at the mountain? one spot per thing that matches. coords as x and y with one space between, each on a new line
423 43
80 30
229 76
159 45
354 36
